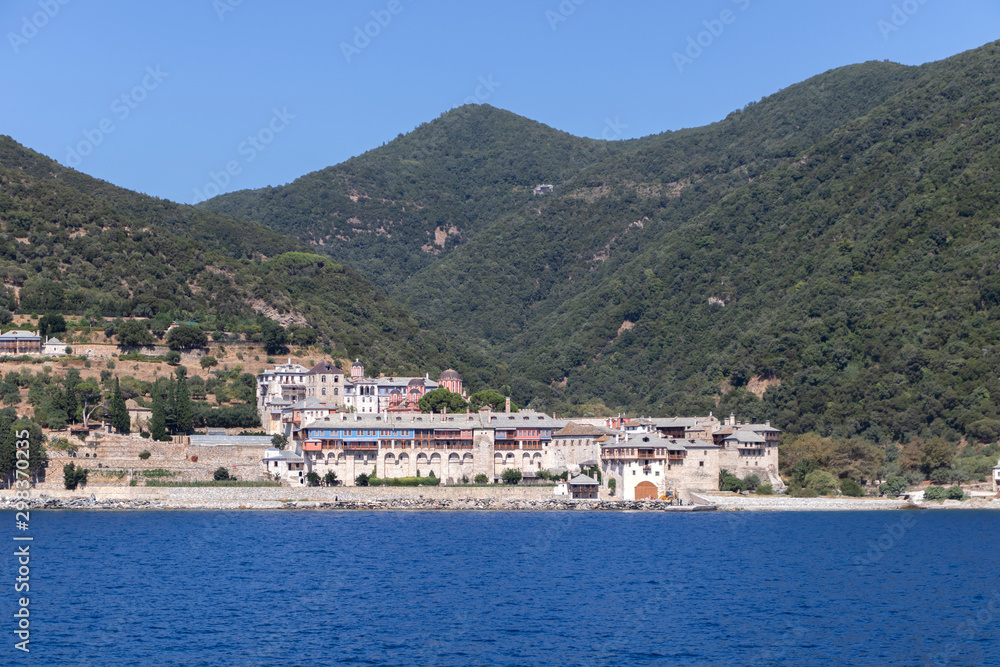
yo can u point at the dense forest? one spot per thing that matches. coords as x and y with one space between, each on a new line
836 242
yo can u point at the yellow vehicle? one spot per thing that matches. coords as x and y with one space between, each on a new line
670 496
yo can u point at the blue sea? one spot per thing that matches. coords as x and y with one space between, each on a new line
517 588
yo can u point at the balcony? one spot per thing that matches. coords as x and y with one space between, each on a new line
365 446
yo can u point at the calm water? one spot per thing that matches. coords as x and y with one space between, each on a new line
294 588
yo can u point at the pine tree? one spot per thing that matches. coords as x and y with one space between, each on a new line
119 411
158 421
182 407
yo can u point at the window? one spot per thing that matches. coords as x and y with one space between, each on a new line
323 391
701 464
322 378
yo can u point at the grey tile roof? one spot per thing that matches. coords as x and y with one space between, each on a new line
282 455
23 335
583 479
746 436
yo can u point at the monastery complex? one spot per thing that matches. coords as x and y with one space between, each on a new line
351 424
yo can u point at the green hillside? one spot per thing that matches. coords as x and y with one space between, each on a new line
835 241
70 243
396 209
861 272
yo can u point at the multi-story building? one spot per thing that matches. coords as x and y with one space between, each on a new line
277 390
649 460
325 382
452 446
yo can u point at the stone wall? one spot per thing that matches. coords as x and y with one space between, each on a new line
254 496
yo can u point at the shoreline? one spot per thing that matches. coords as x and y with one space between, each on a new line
457 499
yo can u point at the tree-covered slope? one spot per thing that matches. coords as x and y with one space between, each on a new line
863 272
532 259
396 209
70 243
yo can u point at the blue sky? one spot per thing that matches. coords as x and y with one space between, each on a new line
162 97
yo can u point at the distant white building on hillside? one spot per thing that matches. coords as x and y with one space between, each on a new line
53 347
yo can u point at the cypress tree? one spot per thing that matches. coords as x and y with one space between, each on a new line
158 421
119 411
182 410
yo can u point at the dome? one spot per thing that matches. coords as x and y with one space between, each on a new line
416 382
450 374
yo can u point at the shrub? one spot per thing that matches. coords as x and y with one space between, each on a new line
851 488
821 482
403 481
805 493
465 479
313 478
751 482
481 479
765 490
73 476
612 484
894 486
511 476
330 478
361 480
935 493
208 361
172 357
220 474
144 454
731 483
955 493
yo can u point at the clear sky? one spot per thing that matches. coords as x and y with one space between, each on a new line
158 95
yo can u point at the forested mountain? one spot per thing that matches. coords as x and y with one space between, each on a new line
836 241
394 210
71 243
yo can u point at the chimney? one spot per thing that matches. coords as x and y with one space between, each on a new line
506 405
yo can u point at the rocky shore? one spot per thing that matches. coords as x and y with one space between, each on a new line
787 503
469 504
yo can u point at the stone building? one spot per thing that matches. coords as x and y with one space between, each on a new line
451 446
325 382
648 460
278 389
576 443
